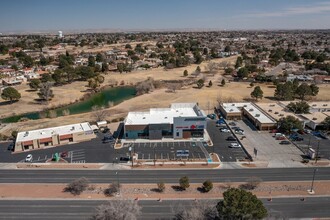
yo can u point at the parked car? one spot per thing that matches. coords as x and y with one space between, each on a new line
125 159
285 142
235 145
11 147
273 131
280 138
105 130
64 154
224 130
239 131
307 131
231 138
212 116
29 158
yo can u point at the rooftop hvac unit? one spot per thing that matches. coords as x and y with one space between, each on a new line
276 113
272 105
325 104
314 119
244 105
257 115
281 115
233 104
251 110
270 110
314 105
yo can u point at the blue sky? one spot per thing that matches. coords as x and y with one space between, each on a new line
35 15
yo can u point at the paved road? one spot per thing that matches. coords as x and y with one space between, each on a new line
75 209
169 176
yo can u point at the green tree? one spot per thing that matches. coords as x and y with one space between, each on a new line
210 83
198 69
105 67
28 61
223 82
35 84
184 183
326 123
185 73
95 83
43 61
10 94
303 90
91 61
242 72
85 72
284 91
200 83
46 77
257 93
299 107
288 123
128 46
227 48
240 204
99 57
314 89
239 62
207 185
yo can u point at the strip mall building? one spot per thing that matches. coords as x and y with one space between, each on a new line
180 121
36 139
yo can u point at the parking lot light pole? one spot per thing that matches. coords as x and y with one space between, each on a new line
317 151
312 186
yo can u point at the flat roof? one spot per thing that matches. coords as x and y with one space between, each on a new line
164 115
257 114
49 132
316 117
233 107
275 110
313 105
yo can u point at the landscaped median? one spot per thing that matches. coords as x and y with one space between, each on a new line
171 191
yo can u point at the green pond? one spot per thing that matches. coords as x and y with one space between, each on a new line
103 98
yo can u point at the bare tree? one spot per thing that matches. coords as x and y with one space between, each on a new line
251 183
113 189
117 209
99 113
77 186
45 92
211 67
199 210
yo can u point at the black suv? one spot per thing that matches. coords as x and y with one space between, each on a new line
231 138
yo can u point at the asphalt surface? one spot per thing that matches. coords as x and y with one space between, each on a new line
317 207
93 151
316 143
221 145
167 150
168 176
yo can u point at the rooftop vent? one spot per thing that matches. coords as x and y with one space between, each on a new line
144 118
165 117
276 113
270 110
233 104
314 119
244 105
314 105
26 134
257 115
281 115
251 110
231 110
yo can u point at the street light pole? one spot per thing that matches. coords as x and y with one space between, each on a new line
317 151
118 181
312 186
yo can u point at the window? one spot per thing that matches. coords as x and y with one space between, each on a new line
177 134
70 139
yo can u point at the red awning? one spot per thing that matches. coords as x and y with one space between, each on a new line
65 136
45 140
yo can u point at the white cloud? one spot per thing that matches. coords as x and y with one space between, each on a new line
317 8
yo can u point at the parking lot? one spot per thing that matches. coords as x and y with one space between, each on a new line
315 142
94 151
221 145
268 148
169 151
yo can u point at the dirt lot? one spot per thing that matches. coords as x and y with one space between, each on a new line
144 191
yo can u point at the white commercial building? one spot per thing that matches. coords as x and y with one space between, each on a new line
181 120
